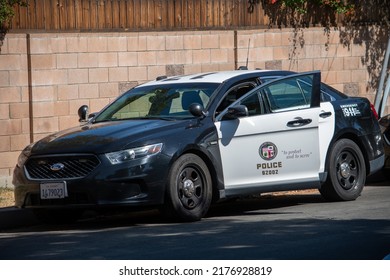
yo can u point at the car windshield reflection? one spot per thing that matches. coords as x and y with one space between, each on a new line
167 102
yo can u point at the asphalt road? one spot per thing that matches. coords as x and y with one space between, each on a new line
295 227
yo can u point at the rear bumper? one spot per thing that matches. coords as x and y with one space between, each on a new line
377 164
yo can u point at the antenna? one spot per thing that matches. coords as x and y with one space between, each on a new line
247 55
247 58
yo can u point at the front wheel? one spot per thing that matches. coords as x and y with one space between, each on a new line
346 172
189 189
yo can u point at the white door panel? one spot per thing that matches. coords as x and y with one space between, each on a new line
296 149
326 131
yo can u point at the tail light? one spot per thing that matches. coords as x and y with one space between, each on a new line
374 111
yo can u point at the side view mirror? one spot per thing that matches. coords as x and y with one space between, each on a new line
236 112
197 110
83 113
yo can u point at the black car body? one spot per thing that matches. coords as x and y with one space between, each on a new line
385 124
180 143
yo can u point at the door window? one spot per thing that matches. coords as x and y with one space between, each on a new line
290 94
253 104
234 94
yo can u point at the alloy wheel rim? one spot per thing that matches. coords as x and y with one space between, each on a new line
190 187
347 170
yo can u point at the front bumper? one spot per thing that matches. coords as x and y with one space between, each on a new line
140 183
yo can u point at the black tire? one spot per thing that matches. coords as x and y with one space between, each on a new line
58 216
189 189
346 172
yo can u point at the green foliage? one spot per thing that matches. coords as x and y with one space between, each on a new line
301 6
7 10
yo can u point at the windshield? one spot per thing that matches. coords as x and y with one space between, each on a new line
159 101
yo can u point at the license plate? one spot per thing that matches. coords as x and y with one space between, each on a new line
55 190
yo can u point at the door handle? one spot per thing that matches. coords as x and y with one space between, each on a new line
297 122
325 114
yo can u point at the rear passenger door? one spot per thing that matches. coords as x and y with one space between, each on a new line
276 145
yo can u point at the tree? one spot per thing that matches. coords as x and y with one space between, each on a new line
362 22
6 14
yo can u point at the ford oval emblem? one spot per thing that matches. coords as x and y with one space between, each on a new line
57 167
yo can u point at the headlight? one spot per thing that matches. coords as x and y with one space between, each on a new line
135 153
24 155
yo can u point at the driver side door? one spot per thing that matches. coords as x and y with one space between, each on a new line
275 145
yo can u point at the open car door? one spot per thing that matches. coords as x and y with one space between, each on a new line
270 136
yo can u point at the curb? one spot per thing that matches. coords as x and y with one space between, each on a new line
11 217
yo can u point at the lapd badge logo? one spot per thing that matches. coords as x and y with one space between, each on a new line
268 151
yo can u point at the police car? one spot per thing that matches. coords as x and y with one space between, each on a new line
180 143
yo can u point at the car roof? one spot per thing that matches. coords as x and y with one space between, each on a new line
208 77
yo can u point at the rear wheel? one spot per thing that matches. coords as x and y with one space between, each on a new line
189 189
346 172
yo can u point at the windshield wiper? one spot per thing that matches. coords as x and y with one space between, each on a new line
157 118
164 118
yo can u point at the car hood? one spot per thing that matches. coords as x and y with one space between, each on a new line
106 137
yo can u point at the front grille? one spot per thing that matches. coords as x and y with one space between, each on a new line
73 167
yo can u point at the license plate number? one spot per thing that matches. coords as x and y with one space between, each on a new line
53 190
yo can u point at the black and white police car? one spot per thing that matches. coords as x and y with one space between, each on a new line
180 143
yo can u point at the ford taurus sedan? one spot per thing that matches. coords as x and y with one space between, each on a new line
181 143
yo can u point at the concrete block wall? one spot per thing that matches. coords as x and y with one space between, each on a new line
341 66
46 77
14 104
